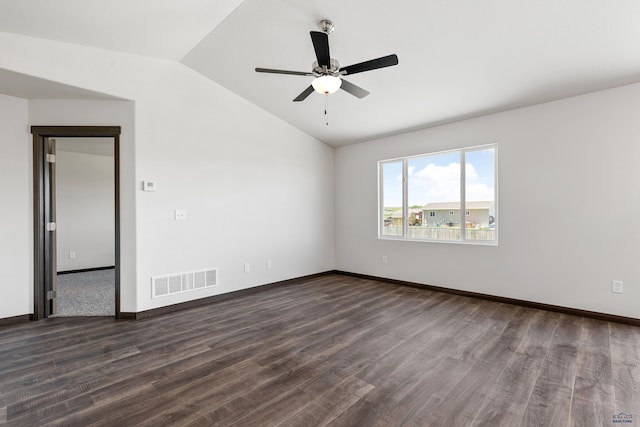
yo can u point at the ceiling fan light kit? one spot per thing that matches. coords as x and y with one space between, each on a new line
326 84
329 75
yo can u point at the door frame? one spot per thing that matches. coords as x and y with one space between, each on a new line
41 256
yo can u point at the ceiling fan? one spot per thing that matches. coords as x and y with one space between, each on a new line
328 72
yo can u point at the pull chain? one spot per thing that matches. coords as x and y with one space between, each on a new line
326 107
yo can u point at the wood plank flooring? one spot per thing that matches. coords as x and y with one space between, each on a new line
329 351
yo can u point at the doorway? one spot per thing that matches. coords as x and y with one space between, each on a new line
55 249
84 206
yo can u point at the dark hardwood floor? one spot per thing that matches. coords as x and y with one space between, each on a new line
333 350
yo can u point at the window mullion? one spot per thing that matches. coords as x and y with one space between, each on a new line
463 197
380 199
405 197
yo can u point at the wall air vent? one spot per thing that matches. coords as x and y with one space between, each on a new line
183 282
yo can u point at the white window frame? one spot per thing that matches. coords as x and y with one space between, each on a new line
463 209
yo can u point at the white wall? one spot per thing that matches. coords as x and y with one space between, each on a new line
254 187
16 238
84 210
560 165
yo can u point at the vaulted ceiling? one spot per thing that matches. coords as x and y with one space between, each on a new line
457 59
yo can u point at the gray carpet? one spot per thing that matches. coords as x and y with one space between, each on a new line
90 293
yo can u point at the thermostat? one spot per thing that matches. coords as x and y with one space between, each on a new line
148 186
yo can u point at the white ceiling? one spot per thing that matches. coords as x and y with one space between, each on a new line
457 59
159 28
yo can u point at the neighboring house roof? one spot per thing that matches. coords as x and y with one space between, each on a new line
439 206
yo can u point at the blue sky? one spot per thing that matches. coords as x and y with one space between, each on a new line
436 178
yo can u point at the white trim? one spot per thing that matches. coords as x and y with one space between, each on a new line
405 197
463 195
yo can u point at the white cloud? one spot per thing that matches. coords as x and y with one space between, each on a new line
435 184
477 190
442 184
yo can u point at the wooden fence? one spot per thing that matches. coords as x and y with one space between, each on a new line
440 233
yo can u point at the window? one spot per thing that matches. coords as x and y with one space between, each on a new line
393 211
453 191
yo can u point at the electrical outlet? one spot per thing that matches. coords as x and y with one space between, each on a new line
384 259
617 287
72 255
269 264
180 215
247 267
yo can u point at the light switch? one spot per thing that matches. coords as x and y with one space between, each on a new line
180 214
617 287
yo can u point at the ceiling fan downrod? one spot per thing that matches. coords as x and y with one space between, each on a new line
326 26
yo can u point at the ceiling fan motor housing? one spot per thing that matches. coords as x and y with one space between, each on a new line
334 70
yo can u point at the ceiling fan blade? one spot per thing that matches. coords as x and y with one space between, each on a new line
321 45
373 64
295 73
354 90
308 91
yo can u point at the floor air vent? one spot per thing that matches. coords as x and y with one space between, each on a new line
184 282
